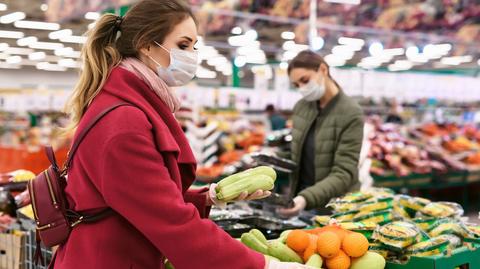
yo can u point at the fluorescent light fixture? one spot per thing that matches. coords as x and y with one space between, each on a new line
412 51
343 52
257 58
283 65
50 67
400 65
20 51
236 30
375 48
334 60
291 45
354 42
26 41
394 51
35 56
219 60
60 34
3 7
46 45
12 17
68 63
74 39
227 72
251 34
43 7
346 2
372 61
5 65
457 60
4 56
288 35
242 40
11 34
37 25
14 59
419 58
92 16
248 50
289 54
317 43
240 61
74 54
202 72
91 25
3 46
63 51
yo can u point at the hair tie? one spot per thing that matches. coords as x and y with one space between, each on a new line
118 22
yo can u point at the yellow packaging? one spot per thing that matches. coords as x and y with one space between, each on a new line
431 247
450 226
376 204
345 216
400 211
413 203
442 210
398 234
322 220
379 217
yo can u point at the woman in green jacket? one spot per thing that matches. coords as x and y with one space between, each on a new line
327 136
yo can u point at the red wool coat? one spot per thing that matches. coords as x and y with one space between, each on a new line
137 161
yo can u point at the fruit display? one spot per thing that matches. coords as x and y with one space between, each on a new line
401 226
330 247
251 180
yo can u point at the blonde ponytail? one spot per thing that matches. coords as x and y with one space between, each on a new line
99 55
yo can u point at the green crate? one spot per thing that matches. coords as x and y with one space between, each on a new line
451 177
418 180
473 175
389 181
411 181
462 257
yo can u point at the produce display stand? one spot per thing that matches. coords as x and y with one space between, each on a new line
463 258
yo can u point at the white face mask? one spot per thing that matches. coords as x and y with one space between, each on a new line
312 91
182 68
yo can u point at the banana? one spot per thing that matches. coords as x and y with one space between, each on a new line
254 243
282 252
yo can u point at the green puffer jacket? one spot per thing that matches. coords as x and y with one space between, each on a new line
338 141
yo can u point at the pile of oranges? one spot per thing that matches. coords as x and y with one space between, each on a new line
336 245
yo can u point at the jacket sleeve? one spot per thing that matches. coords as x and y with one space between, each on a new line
199 199
344 172
136 184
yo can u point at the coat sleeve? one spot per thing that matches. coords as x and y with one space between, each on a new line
137 185
344 172
199 199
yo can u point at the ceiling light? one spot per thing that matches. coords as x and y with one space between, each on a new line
317 43
257 58
3 7
14 59
227 72
394 52
46 45
348 41
236 30
50 67
291 45
21 51
5 65
457 60
37 25
334 60
372 61
74 39
4 56
26 41
12 17
343 52
288 35
412 51
11 34
219 60
346 2
74 54
203 72
63 51
289 54
35 56
241 40
419 58
251 34
375 48
68 63
60 34
240 61
92 16
248 50
91 25
283 65
3 46
400 65
43 7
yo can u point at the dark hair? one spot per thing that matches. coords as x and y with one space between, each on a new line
144 23
270 108
309 60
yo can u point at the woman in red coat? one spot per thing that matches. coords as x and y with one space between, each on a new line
136 160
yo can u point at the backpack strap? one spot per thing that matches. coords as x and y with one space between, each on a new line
85 131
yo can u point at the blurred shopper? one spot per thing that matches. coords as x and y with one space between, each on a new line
136 160
277 121
394 115
327 136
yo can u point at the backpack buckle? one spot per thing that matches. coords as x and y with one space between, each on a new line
78 221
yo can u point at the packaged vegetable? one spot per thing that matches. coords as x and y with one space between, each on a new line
442 210
400 212
380 249
348 202
381 192
475 229
424 223
345 216
398 235
412 203
322 220
376 204
450 226
453 240
365 228
379 217
431 247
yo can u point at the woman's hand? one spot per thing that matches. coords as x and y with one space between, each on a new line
299 204
212 197
271 264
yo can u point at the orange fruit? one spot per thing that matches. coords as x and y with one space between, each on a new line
339 261
355 245
298 240
328 244
339 231
312 247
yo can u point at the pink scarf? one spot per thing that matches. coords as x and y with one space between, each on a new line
155 83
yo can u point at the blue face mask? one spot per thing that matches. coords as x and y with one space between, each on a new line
182 68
